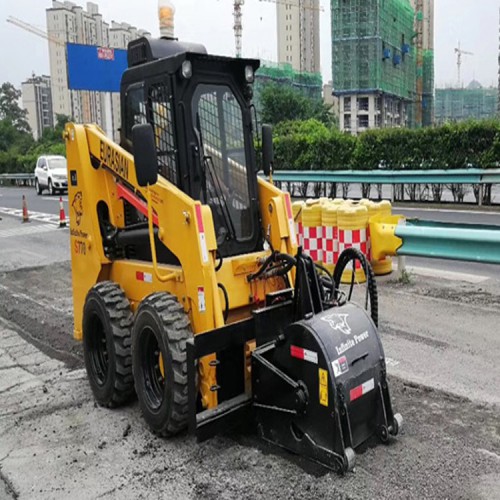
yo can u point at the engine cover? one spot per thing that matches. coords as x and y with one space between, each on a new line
320 390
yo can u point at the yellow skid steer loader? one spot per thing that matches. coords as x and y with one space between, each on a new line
189 289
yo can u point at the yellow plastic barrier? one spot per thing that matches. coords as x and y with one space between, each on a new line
330 235
313 231
352 223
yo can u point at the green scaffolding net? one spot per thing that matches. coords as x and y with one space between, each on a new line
458 104
309 84
428 88
373 47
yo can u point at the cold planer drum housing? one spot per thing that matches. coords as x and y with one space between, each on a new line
320 389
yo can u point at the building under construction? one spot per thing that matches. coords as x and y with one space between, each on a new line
308 84
459 104
381 49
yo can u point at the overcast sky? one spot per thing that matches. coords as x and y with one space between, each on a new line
473 22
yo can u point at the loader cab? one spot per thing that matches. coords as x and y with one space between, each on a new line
199 107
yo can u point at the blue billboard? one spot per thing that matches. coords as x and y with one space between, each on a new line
94 68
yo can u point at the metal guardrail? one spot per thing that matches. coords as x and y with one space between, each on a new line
467 242
24 179
395 235
455 176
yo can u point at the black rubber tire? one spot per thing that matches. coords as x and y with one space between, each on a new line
354 254
107 325
50 188
38 187
161 326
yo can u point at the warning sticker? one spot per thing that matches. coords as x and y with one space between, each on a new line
362 389
323 387
340 366
305 354
202 307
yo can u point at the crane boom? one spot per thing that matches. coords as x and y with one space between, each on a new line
33 29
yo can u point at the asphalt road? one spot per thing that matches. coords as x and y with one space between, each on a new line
12 198
442 346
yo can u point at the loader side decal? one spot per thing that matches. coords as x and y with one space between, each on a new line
201 230
114 160
291 223
304 354
77 206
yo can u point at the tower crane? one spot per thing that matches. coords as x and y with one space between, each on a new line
459 52
238 16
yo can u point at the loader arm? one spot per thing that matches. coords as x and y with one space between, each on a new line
101 172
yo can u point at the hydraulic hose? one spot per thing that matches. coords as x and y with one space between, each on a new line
226 300
371 298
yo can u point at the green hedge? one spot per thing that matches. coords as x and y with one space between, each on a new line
311 145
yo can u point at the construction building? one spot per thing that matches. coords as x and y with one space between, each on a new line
424 51
373 63
383 63
298 34
459 104
68 22
37 100
308 84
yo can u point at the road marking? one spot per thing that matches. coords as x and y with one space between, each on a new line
48 198
26 230
37 216
448 275
445 210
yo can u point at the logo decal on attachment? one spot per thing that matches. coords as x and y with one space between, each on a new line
338 322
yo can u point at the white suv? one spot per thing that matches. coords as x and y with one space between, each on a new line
51 173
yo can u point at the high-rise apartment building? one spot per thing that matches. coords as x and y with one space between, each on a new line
68 22
298 34
37 100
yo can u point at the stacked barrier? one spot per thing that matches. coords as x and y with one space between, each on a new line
312 239
297 207
352 222
326 227
330 233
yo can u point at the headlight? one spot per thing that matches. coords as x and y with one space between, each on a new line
187 70
249 74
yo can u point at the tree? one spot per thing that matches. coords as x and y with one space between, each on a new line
10 111
281 104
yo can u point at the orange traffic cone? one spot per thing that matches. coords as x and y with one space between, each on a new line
62 215
26 217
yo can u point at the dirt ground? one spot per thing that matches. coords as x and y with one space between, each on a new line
55 442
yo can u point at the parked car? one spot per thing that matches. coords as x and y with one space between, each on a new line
51 173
